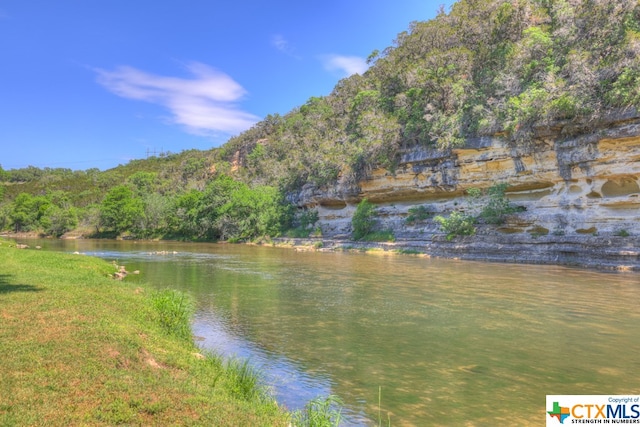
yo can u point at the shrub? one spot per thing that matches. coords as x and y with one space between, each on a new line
457 224
497 206
308 218
363 219
306 221
418 214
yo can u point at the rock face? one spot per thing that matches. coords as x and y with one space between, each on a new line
569 188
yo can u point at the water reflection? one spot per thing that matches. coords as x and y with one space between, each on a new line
291 385
447 342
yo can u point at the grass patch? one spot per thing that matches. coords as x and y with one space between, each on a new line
244 381
319 412
82 349
173 311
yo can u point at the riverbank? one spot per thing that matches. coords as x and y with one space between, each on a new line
616 253
80 348
610 252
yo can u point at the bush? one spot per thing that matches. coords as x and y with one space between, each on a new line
306 221
457 224
418 214
363 219
308 218
497 206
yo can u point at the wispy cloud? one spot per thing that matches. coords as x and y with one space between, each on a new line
205 104
346 65
282 44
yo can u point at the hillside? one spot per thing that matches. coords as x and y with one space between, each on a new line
487 68
528 105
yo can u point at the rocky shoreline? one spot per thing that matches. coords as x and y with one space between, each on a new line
612 253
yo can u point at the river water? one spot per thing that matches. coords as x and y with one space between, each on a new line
402 340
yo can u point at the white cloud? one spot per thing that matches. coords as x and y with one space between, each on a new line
282 44
204 104
347 65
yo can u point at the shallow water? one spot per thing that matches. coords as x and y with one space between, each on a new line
436 342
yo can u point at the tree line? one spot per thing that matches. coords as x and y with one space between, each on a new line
225 209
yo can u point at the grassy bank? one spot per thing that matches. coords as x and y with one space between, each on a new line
79 348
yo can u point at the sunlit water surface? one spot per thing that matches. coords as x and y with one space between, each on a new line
403 340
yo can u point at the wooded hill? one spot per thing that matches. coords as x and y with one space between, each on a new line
488 67
485 68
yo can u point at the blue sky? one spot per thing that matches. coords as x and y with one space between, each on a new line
96 83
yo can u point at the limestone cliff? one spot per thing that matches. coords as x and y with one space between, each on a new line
583 190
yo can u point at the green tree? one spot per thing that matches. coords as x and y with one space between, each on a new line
4 175
187 216
245 213
27 210
143 182
57 220
23 213
5 215
215 196
89 217
121 210
156 211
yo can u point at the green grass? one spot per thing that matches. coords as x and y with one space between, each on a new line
79 348
173 311
319 412
244 380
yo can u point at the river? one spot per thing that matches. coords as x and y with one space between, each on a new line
402 340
